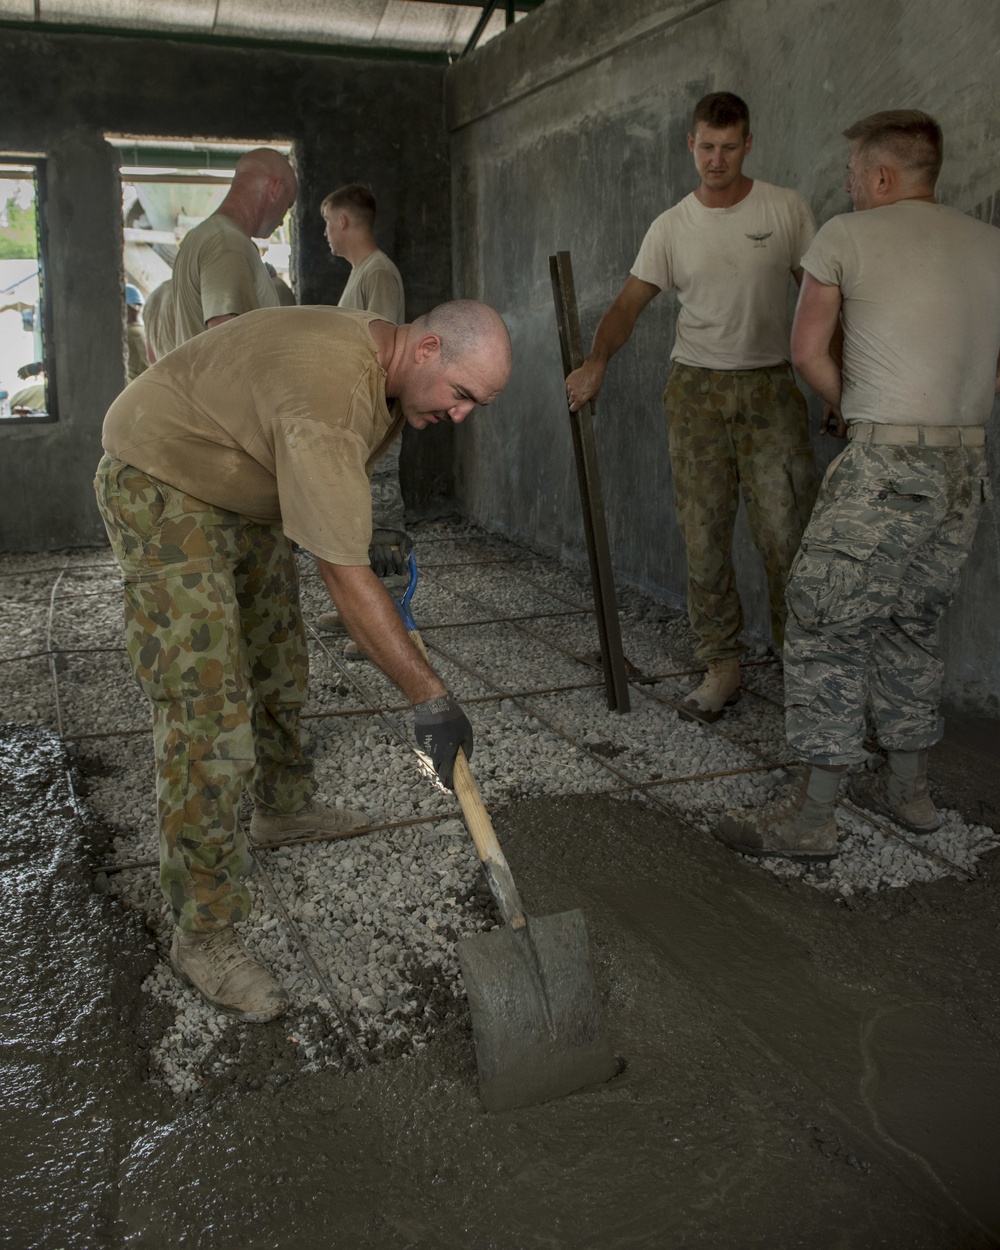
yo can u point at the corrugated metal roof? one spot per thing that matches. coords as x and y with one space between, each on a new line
418 26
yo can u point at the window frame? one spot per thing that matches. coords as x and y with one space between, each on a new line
39 165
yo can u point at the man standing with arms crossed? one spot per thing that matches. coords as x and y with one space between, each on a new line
374 286
218 273
735 416
916 287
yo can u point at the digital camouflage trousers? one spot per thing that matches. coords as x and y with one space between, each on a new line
215 638
727 430
878 567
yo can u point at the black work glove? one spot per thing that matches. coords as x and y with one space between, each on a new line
441 728
389 551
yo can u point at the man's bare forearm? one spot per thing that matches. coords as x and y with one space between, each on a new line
374 624
613 332
823 374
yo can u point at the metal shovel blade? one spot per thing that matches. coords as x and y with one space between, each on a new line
536 1015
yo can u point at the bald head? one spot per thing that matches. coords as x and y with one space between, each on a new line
468 328
263 189
262 164
451 360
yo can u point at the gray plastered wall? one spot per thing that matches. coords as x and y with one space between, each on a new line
347 117
569 133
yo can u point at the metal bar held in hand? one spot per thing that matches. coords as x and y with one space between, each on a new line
585 448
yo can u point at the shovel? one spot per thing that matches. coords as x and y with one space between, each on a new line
536 1014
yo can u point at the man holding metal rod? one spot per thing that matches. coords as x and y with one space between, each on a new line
735 417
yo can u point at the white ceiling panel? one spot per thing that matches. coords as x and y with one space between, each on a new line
195 16
17 10
406 25
344 21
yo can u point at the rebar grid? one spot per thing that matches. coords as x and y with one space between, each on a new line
431 570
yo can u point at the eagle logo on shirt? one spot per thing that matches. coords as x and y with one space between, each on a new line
758 239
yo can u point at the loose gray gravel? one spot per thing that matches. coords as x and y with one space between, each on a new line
379 915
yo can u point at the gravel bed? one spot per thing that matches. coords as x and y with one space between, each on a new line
379 914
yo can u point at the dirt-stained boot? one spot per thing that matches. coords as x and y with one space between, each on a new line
330 620
268 827
899 791
803 827
719 690
223 971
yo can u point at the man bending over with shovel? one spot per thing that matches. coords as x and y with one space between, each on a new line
239 442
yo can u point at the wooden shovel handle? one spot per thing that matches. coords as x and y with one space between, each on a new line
477 818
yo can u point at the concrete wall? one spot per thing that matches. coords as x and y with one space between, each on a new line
568 133
349 118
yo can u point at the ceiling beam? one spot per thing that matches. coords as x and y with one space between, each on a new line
520 6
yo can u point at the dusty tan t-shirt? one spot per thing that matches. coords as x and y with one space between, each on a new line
137 361
218 272
279 415
158 314
375 286
921 312
730 268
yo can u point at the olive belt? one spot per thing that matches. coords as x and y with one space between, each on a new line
918 435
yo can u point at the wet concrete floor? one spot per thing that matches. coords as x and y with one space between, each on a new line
796 1070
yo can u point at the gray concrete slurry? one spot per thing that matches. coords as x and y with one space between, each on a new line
797 1071
807 1058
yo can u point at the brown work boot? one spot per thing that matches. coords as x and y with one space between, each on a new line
898 790
803 827
330 620
719 690
268 827
224 972
353 652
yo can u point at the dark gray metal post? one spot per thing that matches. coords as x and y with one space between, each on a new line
585 448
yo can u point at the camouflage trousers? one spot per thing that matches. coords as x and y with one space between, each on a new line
387 495
878 567
387 504
215 638
729 429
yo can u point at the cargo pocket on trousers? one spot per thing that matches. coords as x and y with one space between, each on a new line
829 587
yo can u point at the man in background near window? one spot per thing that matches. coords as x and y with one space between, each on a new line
375 286
137 360
218 273
158 315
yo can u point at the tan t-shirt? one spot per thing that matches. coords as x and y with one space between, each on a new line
137 361
730 269
279 415
921 312
218 272
158 314
375 286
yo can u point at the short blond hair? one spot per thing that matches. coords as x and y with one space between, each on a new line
909 137
357 197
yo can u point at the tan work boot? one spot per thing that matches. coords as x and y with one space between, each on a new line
224 972
719 690
268 827
804 827
899 791
330 620
353 652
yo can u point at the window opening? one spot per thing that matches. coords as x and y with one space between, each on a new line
27 384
